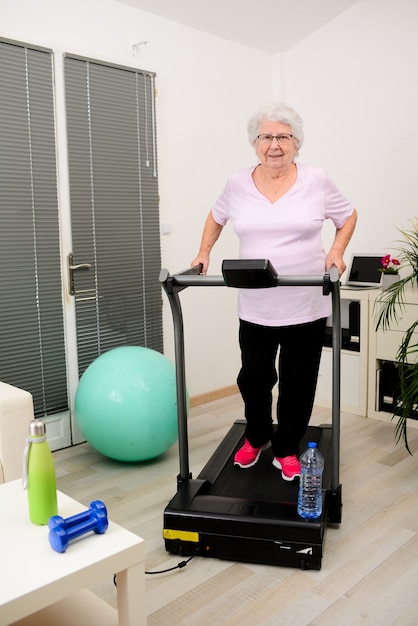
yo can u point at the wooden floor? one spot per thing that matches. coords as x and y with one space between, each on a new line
369 572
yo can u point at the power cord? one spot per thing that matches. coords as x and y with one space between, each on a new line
169 569
178 566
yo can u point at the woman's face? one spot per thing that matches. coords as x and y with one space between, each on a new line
275 154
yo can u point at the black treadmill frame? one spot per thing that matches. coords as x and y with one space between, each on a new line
195 522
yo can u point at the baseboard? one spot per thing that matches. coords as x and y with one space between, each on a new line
217 394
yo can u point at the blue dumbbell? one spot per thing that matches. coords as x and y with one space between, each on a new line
62 531
95 506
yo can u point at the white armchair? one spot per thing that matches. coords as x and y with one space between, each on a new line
16 411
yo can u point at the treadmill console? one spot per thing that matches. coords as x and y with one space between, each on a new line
249 273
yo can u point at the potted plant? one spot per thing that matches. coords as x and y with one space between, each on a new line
389 305
390 270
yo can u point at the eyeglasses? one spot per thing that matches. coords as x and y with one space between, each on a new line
282 140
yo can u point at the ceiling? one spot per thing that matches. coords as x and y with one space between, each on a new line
267 25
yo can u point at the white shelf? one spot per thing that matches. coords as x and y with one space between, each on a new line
82 608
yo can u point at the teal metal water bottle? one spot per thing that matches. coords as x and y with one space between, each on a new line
39 475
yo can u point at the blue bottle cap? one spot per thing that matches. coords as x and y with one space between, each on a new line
312 444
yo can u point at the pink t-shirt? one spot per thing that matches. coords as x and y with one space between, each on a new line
288 233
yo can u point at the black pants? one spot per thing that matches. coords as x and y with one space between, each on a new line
299 357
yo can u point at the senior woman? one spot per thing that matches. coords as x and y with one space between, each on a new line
277 209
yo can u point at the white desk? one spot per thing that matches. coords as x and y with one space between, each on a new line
35 581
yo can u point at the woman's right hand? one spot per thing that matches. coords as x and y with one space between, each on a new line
211 232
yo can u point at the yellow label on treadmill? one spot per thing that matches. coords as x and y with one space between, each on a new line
184 535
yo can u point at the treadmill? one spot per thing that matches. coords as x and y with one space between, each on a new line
250 515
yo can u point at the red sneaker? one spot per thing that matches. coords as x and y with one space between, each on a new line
289 465
247 456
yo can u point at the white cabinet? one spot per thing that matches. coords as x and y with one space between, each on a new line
383 348
354 362
362 370
388 342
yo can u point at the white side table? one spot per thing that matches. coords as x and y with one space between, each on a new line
41 587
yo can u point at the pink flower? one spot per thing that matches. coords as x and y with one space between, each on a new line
389 265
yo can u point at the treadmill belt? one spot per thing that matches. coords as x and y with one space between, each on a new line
262 482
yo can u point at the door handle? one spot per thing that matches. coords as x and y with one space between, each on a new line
71 269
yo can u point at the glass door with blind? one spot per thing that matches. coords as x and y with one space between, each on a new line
115 260
32 341
63 305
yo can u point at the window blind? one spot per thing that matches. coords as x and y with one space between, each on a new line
114 206
32 348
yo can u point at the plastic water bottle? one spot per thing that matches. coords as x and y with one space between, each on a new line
310 485
39 475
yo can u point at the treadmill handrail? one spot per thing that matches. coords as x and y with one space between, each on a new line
192 277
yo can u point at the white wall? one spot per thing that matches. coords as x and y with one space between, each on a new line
207 88
355 84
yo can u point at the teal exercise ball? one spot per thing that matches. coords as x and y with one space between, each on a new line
126 404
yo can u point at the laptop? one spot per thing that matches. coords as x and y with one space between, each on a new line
363 271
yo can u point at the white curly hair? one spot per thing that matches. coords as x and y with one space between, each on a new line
279 112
